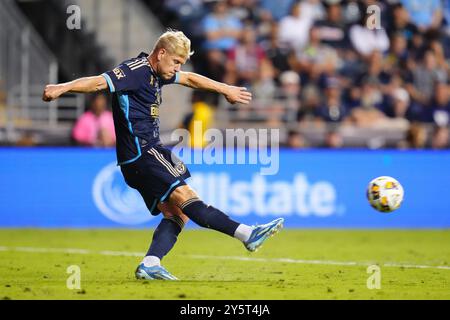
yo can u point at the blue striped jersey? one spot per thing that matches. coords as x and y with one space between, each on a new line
136 100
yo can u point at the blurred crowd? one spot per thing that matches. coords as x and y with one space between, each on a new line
310 63
95 127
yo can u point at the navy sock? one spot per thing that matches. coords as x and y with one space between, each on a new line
208 216
165 236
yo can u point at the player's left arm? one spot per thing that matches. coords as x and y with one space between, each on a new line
233 94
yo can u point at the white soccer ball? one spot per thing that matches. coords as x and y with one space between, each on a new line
385 194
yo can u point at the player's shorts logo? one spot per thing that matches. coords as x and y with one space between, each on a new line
116 200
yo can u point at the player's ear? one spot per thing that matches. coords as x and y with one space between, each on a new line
161 53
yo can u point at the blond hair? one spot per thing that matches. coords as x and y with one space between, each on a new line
175 42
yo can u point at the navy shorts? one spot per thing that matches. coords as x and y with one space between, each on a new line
155 174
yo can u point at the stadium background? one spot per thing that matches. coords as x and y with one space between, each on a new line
351 103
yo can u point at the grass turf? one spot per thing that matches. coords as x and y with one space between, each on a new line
43 275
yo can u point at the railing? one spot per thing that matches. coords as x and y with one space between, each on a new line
26 65
276 113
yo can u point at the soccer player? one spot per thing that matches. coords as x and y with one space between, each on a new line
146 164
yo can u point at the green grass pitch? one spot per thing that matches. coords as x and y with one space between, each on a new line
294 264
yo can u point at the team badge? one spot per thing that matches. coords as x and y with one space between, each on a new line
180 167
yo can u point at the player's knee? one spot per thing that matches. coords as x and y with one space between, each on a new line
174 213
182 194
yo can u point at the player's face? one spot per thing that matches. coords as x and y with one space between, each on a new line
169 64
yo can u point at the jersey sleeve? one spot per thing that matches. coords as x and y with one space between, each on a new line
121 78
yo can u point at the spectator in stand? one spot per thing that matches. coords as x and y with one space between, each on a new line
188 11
264 86
222 31
251 11
295 140
27 139
214 64
435 44
365 41
395 60
398 103
276 53
440 138
383 77
397 108
351 12
425 14
95 128
294 28
424 76
289 94
332 30
313 9
333 139
438 110
278 9
367 113
316 59
416 137
242 9
446 15
310 102
2 92
399 23
332 109
245 60
375 69
200 119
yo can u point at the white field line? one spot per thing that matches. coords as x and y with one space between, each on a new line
321 262
237 258
72 251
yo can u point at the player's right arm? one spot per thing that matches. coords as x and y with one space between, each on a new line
81 85
119 79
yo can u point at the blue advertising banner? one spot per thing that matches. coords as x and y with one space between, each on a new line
83 188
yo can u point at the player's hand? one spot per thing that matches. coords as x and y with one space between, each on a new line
238 95
52 92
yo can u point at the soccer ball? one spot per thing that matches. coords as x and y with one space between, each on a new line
385 194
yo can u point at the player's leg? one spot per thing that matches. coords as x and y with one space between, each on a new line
166 234
154 177
164 238
209 217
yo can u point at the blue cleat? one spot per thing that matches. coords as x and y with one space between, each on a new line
262 233
153 273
